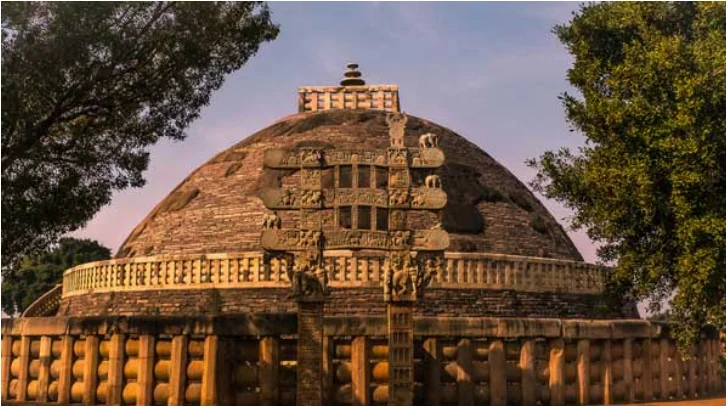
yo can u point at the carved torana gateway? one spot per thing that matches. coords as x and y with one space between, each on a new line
398 264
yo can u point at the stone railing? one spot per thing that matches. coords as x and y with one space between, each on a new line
45 305
252 360
375 97
345 269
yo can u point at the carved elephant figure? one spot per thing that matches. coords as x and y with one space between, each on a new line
433 182
270 221
289 198
428 140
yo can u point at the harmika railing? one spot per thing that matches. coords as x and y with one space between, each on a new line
249 270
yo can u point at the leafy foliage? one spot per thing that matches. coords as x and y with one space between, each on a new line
650 182
88 86
37 274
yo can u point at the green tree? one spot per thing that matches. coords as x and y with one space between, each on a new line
650 182
88 87
34 275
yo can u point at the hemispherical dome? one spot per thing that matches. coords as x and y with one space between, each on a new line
218 209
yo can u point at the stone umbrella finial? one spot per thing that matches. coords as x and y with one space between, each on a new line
352 76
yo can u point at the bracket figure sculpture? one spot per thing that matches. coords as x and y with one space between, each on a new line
307 276
406 275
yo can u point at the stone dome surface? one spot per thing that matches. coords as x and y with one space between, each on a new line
217 207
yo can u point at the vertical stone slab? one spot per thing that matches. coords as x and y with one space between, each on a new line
663 359
23 359
209 376
177 379
360 371
44 373
464 382
647 377
529 380
557 372
607 379
400 353
269 372
116 369
7 346
583 372
66 368
309 353
628 370
497 374
90 370
432 372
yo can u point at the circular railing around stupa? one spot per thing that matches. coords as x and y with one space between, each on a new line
248 270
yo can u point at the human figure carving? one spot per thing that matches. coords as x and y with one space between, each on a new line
428 140
433 182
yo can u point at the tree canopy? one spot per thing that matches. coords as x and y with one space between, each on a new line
87 87
34 275
650 182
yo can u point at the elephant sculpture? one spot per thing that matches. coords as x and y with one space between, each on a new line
428 140
433 182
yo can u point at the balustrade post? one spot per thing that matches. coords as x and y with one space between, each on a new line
583 372
557 367
432 372
269 371
628 370
663 359
529 381
116 369
177 379
7 348
692 365
608 373
66 368
90 370
209 376
23 359
464 382
44 373
497 374
647 376
360 371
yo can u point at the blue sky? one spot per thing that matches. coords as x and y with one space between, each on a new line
489 71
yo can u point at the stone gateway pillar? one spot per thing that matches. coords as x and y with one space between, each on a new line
357 199
310 353
409 268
